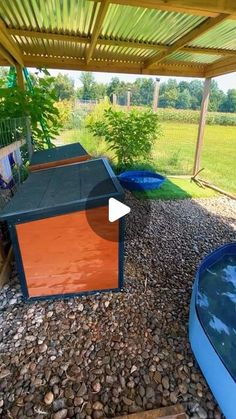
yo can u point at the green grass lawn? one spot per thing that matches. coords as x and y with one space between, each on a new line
174 152
177 188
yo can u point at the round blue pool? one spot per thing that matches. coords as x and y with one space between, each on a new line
141 180
212 326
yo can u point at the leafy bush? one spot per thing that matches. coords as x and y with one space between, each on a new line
38 104
98 112
70 115
129 134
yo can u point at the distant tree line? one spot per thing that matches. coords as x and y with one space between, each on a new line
182 95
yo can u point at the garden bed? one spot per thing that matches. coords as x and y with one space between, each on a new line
115 354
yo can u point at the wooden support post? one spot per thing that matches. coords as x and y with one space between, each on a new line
114 99
202 122
29 138
128 99
20 77
156 94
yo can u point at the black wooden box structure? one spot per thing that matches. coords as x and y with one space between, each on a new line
55 220
58 156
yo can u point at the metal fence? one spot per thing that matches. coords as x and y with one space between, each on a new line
15 150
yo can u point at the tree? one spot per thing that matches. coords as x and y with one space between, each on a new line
168 94
88 85
64 87
184 100
142 92
196 90
217 97
119 88
229 104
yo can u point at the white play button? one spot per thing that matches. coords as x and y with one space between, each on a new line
117 210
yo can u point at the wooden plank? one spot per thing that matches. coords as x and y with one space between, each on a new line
175 68
117 42
184 40
20 77
156 95
5 151
97 28
223 66
171 412
202 122
214 187
7 56
209 8
5 269
8 43
49 165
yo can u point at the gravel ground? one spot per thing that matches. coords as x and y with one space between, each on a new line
110 354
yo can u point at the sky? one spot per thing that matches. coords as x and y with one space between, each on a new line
225 82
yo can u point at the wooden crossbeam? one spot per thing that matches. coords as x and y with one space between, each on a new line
189 37
173 68
209 8
220 67
8 44
97 28
116 42
7 56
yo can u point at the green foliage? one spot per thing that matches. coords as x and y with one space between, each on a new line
192 117
90 90
64 87
38 104
229 104
71 116
98 112
130 135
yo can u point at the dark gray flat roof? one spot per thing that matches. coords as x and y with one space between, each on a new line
64 189
58 153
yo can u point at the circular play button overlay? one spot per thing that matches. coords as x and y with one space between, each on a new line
108 219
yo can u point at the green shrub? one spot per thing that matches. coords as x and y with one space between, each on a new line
129 134
39 104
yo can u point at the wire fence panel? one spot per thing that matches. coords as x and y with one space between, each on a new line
174 152
15 149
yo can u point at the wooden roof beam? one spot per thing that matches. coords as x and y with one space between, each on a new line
208 8
97 28
184 40
116 42
170 69
220 67
8 44
7 56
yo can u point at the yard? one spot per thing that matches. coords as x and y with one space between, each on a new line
174 152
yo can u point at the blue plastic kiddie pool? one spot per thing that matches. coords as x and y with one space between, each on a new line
212 326
141 180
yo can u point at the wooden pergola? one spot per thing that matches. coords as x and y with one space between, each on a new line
192 38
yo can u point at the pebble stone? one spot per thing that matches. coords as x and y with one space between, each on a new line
111 354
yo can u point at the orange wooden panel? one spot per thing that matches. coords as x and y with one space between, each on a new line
63 254
48 165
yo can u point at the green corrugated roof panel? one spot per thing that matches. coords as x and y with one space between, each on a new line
66 16
222 36
147 25
194 58
50 47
